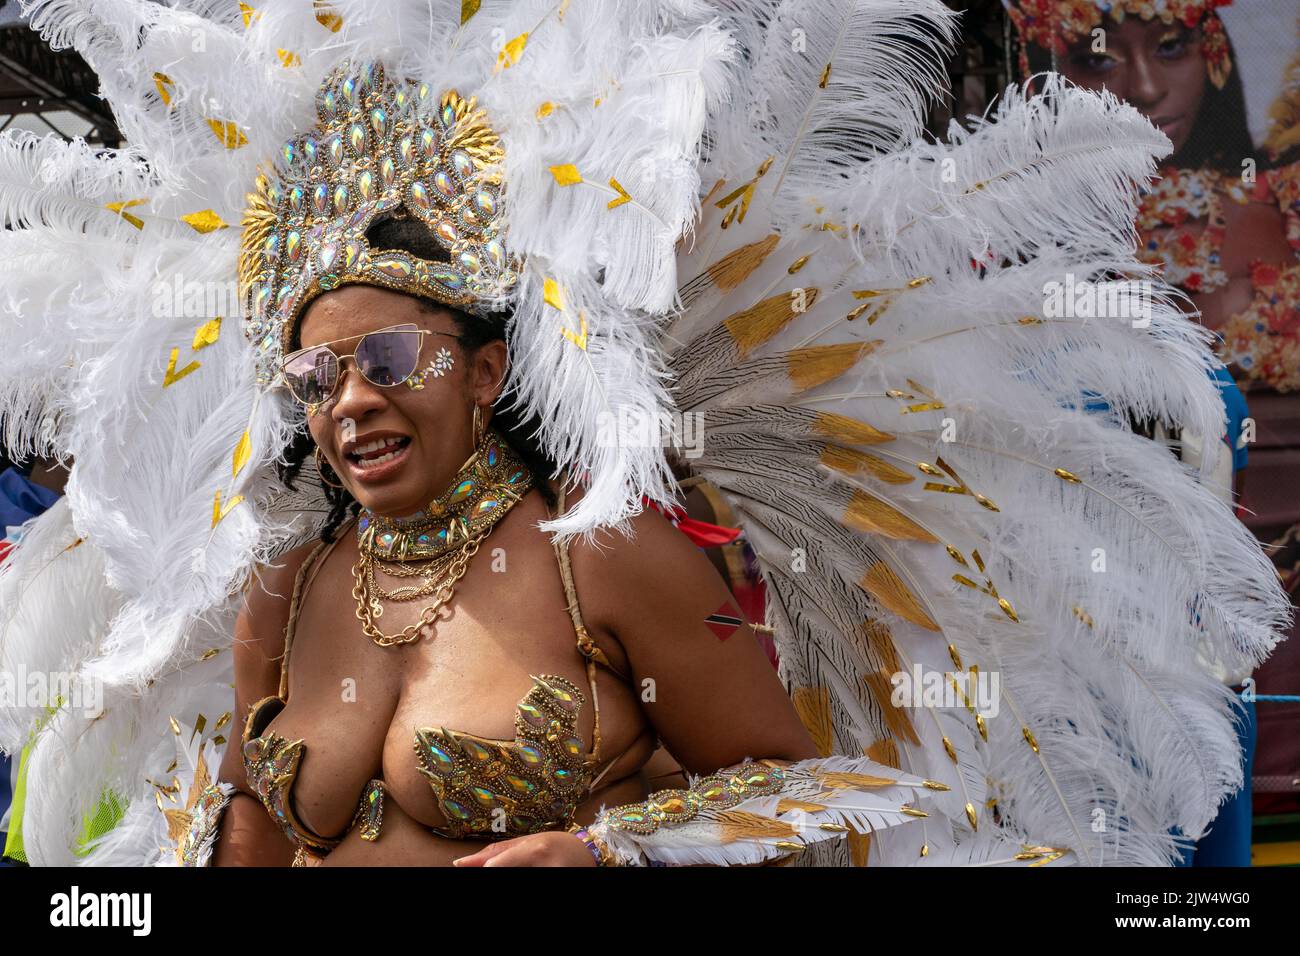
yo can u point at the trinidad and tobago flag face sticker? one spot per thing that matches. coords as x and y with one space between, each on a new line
724 621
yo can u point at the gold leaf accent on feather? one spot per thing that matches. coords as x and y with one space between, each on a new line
888 589
204 221
871 515
230 135
206 334
735 267
165 85
819 364
566 174
813 705
751 327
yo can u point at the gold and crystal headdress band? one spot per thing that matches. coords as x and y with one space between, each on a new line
381 150
1055 24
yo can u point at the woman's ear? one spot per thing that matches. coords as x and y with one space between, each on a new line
489 377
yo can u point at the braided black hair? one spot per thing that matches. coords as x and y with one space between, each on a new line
413 237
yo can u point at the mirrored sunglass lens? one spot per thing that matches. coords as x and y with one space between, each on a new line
311 375
386 358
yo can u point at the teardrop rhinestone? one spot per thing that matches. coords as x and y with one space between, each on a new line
293 245
387 171
428 141
273 194
406 150
463 165
492 452
289 154
394 267
350 90
486 202
470 218
437 759
261 298
402 99
423 91
487 504
328 104
452 280
320 199
351 254
476 751
496 252
366 184
296 196
454 809
463 490
420 200
379 122
530 754
469 261
484 796
340 198
446 232
309 152
521 786
442 182
334 148
448 115
357 138
532 715
271 248
328 253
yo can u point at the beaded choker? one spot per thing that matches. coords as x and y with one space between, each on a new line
484 489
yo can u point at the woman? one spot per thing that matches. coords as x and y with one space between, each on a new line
644 603
1223 220
665 199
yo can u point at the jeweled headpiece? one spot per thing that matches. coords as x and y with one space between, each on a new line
382 150
1055 24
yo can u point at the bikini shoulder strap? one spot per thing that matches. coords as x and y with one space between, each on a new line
586 646
302 581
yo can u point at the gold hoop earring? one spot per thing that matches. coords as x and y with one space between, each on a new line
321 465
478 426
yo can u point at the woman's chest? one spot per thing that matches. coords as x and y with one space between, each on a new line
486 717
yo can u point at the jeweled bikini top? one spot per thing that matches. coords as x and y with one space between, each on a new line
488 788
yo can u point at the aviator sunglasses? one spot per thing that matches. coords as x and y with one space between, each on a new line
385 358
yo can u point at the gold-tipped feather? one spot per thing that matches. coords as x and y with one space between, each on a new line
735 267
750 328
850 461
870 514
819 364
888 589
813 705
841 428
741 825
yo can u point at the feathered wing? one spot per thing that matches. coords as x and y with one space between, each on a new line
935 468
887 547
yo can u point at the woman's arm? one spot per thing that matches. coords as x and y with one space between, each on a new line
248 836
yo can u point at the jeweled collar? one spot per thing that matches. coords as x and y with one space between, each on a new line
485 488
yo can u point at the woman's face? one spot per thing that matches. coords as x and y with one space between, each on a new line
1157 68
428 432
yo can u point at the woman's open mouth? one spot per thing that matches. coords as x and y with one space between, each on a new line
378 459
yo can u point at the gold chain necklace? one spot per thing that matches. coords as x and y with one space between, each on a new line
487 486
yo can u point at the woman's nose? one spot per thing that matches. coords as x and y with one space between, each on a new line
356 396
1146 82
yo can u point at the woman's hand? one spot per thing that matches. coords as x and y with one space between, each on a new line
554 848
